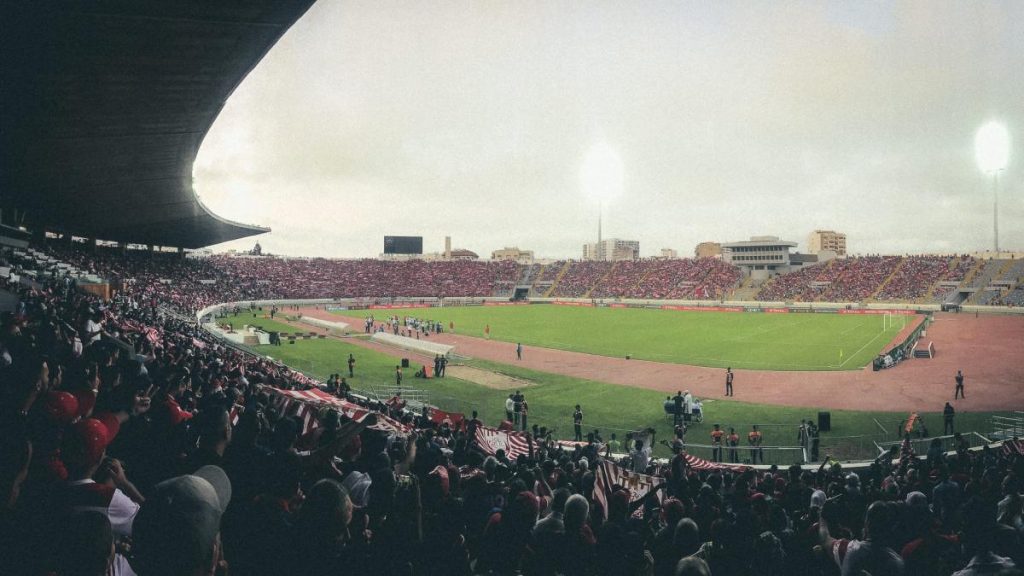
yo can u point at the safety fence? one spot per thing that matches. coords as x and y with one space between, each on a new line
1007 427
947 443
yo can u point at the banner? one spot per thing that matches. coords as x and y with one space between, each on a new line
456 419
583 304
702 308
696 463
490 303
396 306
610 474
490 440
777 310
1013 447
310 401
879 312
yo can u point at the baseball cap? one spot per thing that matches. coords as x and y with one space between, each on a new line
917 499
61 407
358 486
86 441
176 528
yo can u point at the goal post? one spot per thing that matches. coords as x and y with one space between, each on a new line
892 321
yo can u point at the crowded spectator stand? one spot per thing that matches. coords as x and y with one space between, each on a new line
207 459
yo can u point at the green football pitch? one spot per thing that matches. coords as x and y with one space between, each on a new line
609 407
756 341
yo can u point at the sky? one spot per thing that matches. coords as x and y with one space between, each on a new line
730 119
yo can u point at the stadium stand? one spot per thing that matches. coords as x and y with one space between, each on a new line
133 442
916 276
123 422
580 277
877 278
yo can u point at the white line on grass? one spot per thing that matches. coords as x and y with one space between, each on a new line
862 348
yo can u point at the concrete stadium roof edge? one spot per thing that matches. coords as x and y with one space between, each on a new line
103 108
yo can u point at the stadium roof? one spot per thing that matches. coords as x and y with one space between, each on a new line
105 104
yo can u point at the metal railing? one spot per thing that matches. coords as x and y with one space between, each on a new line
1006 427
744 454
948 443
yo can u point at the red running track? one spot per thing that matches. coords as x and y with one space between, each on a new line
989 350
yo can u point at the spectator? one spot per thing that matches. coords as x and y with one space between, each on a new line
178 531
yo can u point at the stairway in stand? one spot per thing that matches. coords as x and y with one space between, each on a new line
600 280
888 279
558 278
746 291
536 277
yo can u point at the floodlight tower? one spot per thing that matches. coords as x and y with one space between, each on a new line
601 178
992 149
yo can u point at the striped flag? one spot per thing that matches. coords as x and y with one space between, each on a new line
311 400
610 474
456 419
1014 446
696 463
490 440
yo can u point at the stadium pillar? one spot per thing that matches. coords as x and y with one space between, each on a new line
149 248
181 253
122 247
67 239
39 236
92 245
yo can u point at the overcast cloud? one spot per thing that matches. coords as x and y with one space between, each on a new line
471 119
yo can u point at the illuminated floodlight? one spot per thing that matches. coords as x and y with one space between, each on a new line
601 174
992 147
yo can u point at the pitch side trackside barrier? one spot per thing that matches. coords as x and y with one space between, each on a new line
412 344
340 304
904 349
333 328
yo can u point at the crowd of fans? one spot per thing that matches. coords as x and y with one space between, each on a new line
918 275
132 442
856 279
194 282
654 278
579 278
327 278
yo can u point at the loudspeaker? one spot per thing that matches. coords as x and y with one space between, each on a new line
405 362
824 421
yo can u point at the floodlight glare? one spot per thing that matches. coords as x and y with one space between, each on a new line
992 147
601 173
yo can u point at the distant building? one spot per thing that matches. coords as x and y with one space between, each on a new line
708 250
612 249
827 240
798 261
513 255
760 257
669 253
463 254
